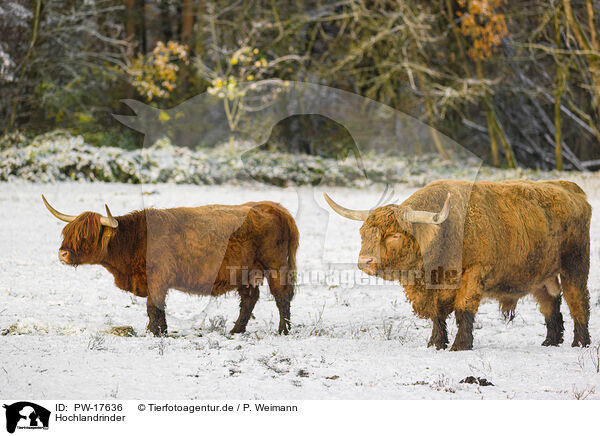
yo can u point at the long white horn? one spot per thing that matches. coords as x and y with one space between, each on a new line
358 215
108 220
424 217
57 214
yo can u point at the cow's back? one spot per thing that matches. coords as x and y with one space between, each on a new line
201 246
519 230
516 230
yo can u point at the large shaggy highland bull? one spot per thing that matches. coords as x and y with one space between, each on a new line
206 250
505 239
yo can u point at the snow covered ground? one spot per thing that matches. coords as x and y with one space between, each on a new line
347 343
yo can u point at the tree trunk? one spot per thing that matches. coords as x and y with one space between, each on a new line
152 28
558 132
430 117
130 17
169 26
560 88
187 21
489 115
493 141
508 150
34 33
583 42
592 25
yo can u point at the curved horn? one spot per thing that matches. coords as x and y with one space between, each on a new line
57 214
108 220
423 217
358 215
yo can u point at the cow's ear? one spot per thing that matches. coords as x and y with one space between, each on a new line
107 234
145 115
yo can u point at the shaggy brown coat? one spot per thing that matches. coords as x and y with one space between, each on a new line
508 239
206 250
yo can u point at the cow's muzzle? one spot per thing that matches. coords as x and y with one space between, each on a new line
367 264
65 256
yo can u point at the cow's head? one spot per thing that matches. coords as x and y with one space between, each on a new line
394 238
86 237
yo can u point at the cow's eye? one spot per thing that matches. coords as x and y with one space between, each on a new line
392 238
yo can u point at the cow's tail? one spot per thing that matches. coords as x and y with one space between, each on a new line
289 233
507 307
293 242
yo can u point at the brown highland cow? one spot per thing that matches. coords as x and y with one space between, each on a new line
504 239
208 250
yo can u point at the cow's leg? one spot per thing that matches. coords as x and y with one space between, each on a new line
578 300
466 304
550 307
283 292
157 322
158 285
439 333
464 335
575 267
248 298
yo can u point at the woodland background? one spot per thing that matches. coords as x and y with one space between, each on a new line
516 82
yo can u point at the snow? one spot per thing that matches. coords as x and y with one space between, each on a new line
348 342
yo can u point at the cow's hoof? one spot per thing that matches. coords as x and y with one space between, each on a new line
580 342
581 335
461 346
284 328
439 345
236 330
439 340
552 342
158 332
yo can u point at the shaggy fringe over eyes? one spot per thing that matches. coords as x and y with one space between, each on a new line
85 230
388 220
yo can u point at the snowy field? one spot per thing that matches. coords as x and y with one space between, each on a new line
347 342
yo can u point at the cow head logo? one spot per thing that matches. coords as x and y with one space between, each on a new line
26 415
